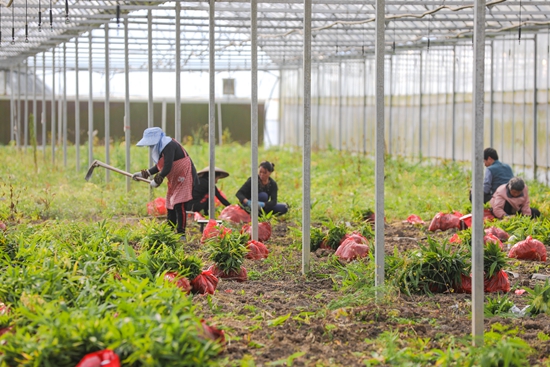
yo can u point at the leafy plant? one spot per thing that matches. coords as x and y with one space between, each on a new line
158 234
497 305
228 251
539 299
494 259
316 238
501 347
433 268
335 234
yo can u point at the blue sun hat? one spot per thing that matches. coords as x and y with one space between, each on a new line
151 136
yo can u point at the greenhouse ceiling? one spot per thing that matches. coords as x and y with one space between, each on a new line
342 29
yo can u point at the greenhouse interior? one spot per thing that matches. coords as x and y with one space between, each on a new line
391 89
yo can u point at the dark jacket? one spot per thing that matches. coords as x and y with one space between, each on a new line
496 174
200 196
245 192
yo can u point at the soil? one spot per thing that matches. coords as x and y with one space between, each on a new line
329 336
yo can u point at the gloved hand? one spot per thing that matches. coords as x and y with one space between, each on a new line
249 203
261 204
153 184
144 173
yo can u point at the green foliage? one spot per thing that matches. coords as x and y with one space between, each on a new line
335 234
501 348
497 305
434 268
520 227
539 299
158 234
316 238
228 251
494 259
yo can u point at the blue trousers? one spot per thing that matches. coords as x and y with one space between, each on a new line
279 208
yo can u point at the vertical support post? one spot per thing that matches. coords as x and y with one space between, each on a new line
492 105
319 90
150 110
340 105
163 115
90 102
380 48
477 170
254 112
454 105
107 105
44 139
76 106
390 107
420 97
212 108
18 111
220 124
64 116
535 107
12 106
34 123
306 165
127 123
53 108
177 104
280 126
26 120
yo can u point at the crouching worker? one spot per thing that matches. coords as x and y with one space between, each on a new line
200 191
173 163
511 199
267 191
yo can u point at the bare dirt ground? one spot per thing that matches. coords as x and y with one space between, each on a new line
248 311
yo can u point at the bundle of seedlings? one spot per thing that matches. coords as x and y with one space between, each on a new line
158 234
435 268
521 226
213 230
336 234
228 253
494 261
539 299
264 229
317 236
528 249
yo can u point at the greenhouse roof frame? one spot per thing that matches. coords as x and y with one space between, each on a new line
341 29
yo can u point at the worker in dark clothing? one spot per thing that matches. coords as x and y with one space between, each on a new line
267 191
173 163
496 174
201 194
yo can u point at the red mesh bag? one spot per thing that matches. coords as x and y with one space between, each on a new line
212 230
467 219
444 222
264 231
499 282
256 250
466 286
492 238
528 249
181 282
205 282
213 333
415 219
352 247
157 207
234 213
239 276
498 233
102 358
455 239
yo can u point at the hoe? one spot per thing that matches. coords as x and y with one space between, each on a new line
97 163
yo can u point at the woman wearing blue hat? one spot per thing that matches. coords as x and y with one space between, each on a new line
173 163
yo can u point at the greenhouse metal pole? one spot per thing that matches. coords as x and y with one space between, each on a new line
43 119
492 105
76 107
340 105
163 115
177 106
306 164
90 103
365 81
535 107
280 125
390 106
53 107
107 102
254 112
454 105
379 169
127 123
212 108
12 106
477 172
34 124
18 110
64 116
421 76
150 76
26 118
318 117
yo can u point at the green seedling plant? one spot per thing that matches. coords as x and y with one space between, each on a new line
539 299
335 234
494 259
228 251
497 305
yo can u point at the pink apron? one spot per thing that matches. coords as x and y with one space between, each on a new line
180 181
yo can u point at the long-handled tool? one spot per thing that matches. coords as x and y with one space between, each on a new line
97 163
